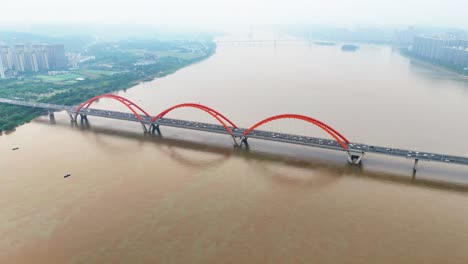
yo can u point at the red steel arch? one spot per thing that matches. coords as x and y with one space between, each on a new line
218 116
129 104
336 135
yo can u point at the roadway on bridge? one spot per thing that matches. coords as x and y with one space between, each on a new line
256 134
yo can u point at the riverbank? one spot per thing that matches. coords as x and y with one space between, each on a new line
72 92
460 73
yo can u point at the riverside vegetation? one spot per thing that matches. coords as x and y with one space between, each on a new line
117 66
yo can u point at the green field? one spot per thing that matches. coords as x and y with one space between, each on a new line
67 78
95 73
70 78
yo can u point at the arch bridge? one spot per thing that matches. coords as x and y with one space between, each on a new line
223 125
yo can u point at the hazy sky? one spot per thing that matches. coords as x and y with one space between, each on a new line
220 12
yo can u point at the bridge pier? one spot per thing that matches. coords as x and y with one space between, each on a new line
355 158
245 142
415 166
51 115
155 128
72 117
145 129
84 123
238 142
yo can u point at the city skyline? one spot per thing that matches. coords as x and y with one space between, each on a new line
18 59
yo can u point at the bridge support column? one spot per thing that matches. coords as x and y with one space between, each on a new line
145 129
155 128
51 115
355 158
72 117
415 166
237 143
243 141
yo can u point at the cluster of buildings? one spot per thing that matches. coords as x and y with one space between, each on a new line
21 59
74 59
444 49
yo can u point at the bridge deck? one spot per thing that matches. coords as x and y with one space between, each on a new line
257 134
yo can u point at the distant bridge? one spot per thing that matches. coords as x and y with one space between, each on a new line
258 40
240 136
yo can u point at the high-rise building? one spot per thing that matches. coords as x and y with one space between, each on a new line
2 69
444 49
56 57
406 36
6 55
20 58
30 65
31 58
41 56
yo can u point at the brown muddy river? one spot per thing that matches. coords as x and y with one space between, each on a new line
189 197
